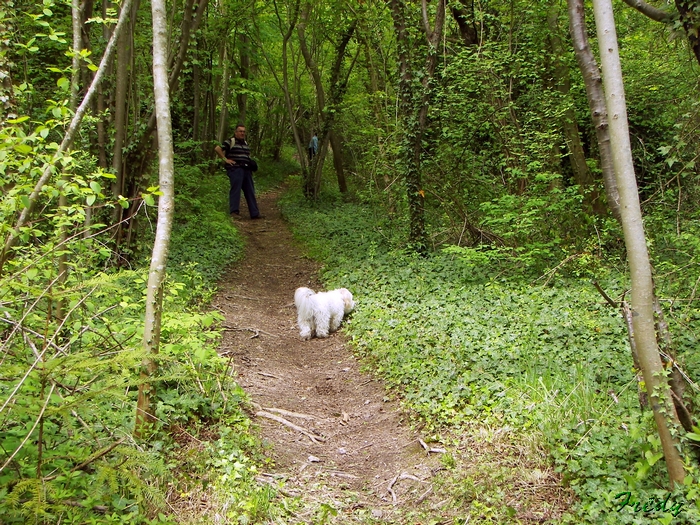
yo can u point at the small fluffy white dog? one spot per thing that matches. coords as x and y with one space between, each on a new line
321 313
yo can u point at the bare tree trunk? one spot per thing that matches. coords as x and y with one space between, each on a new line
582 174
413 103
635 241
166 203
596 100
197 101
76 19
284 83
120 96
326 112
336 146
7 97
66 143
223 115
242 98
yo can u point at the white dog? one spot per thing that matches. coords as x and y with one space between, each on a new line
321 313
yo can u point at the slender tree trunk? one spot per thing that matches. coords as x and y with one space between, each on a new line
223 115
413 105
582 174
284 83
596 100
242 98
166 203
326 113
120 118
76 19
197 101
635 241
7 97
336 146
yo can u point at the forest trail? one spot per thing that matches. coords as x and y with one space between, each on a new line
353 450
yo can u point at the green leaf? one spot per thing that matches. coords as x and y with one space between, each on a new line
91 199
96 187
24 149
148 199
17 120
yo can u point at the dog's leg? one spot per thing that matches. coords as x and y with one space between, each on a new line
305 329
321 319
335 322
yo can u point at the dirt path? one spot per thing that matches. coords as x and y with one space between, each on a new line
358 456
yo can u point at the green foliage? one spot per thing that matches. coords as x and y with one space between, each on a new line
471 336
73 351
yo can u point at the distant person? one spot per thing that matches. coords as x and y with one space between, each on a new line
235 152
313 147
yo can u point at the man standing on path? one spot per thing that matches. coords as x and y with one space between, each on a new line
235 152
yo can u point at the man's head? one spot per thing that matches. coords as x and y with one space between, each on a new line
239 132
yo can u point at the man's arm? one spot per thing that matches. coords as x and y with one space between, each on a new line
221 154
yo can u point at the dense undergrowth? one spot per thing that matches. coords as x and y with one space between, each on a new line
68 388
474 338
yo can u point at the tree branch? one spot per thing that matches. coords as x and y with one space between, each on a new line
649 10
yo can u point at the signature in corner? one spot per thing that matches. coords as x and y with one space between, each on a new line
652 504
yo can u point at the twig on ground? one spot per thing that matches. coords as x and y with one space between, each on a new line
283 412
422 497
265 374
429 449
339 474
389 488
313 437
361 448
256 331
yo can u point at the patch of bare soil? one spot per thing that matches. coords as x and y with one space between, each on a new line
350 446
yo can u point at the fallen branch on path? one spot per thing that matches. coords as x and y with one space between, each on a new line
256 330
265 374
429 449
283 412
424 495
403 475
313 437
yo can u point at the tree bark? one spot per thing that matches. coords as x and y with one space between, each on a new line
223 115
635 241
327 112
242 98
649 10
413 105
582 174
154 295
596 101
284 83
7 97
120 95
